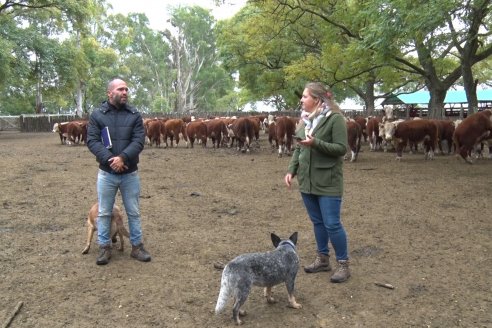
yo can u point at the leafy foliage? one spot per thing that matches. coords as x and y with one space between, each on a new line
58 55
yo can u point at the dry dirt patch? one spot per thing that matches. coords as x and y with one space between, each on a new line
422 226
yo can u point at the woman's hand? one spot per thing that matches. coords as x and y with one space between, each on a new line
288 180
308 142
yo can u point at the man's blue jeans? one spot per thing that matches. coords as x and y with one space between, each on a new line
107 187
324 212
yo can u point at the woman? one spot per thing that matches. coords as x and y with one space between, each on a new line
317 162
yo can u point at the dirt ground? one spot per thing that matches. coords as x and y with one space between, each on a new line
422 226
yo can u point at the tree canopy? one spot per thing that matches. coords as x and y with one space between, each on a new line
57 56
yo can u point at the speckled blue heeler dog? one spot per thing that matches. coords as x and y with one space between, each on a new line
260 269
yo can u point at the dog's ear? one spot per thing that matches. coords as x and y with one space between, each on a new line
275 239
293 238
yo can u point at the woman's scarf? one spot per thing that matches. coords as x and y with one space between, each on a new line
315 117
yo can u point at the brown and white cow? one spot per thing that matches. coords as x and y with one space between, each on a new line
71 132
473 130
217 132
363 125
382 132
272 136
146 122
261 119
61 129
388 113
174 128
154 132
372 128
414 132
255 121
243 133
284 130
76 132
446 131
354 137
197 130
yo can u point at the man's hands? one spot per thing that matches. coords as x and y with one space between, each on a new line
117 164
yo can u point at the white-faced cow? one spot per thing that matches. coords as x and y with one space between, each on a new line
61 129
412 131
388 113
382 132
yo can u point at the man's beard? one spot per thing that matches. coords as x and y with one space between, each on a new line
119 101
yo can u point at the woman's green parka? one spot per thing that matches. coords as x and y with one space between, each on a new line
319 168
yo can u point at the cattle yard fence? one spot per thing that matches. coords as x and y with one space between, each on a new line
9 123
45 122
33 122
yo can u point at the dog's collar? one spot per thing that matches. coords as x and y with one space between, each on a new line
287 243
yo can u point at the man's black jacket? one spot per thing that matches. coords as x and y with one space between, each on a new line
127 135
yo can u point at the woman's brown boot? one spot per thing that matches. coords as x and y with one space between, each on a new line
321 263
342 273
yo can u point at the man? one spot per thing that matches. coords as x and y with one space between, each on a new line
117 166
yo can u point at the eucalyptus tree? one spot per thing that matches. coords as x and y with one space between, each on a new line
151 54
143 60
15 85
75 58
199 80
27 32
33 32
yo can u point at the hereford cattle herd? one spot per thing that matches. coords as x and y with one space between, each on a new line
466 138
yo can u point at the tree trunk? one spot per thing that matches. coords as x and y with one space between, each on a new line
39 96
79 97
79 100
369 98
436 103
470 87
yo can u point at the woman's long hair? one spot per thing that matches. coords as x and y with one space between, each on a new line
319 91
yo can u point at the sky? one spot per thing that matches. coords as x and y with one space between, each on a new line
157 10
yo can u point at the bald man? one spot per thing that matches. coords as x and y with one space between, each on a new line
118 168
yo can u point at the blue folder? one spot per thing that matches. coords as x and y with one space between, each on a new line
106 138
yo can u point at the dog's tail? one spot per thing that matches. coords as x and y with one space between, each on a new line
225 290
124 232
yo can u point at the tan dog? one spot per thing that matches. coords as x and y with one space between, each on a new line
117 227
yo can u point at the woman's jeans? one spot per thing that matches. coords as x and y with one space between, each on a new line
324 212
107 187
